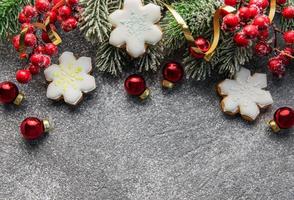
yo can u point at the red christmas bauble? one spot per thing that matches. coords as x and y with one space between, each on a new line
288 12
40 49
37 59
203 45
289 37
8 92
241 39
23 76
251 31
23 19
46 61
34 69
284 117
253 11
135 85
32 128
52 16
173 72
42 5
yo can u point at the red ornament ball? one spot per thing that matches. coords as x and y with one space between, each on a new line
262 22
241 39
64 12
23 76
51 49
23 19
173 72
40 49
253 11
37 59
203 45
288 12
289 37
284 117
260 3
135 85
32 128
52 16
34 69
8 92
244 13
42 6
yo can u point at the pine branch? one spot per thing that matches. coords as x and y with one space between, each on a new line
9 10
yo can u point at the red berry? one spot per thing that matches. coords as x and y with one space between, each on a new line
40 49
289 37
231 2
64 12
56 1
37 59
241 39
135 85
46 61
251 31
288 12
29 11
72 2
8 92
23 76
231 20
202 44
30 40
69 24
23 19
262 22
253 11
34 69
276 66
30 27
52 15
15 42
281 2
42 5
244 13
51 49
263 34
45 37
262 49
32 128
260 3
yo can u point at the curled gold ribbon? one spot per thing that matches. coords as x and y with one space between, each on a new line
216 27
272 12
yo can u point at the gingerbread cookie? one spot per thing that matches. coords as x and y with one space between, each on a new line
134 26
70 79
244 94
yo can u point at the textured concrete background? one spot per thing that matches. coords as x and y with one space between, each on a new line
176 145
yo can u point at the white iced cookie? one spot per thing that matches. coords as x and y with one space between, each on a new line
134 26
70 78
245 94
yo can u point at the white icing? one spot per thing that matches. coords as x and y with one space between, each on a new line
70 78
135 26
245 94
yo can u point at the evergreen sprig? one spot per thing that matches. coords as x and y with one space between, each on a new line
9 10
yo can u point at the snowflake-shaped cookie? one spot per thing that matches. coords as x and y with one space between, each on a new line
245 94
134 26
70 78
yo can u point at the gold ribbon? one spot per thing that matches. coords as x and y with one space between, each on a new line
216 27
272 12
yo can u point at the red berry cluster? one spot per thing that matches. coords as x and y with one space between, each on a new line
40 49
251 25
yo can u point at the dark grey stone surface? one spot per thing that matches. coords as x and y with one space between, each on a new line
176 145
